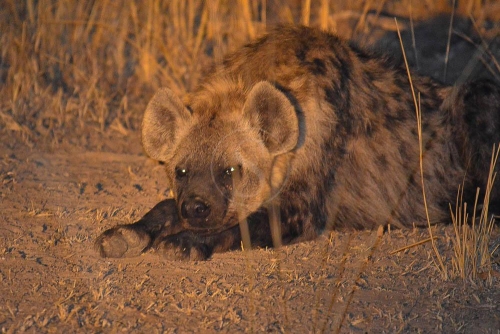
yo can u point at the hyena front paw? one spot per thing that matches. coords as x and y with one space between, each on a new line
122 241
182 247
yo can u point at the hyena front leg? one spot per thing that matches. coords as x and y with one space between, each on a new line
133 239
189 245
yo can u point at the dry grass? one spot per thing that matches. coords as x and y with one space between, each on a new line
67 64
472 255
471 242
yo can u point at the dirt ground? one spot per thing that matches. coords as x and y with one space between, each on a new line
55 198
54 204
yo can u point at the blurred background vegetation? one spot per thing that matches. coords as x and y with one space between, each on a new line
70 69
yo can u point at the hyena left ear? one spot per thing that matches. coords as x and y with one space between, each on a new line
164 117
271 111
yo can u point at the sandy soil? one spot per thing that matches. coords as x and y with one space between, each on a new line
56 198
54 204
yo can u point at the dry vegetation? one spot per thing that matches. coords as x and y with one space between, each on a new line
73 65
74 79
471 243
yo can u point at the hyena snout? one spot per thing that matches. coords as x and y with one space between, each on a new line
202 212
195 210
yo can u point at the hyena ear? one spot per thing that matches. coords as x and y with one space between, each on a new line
271 111
164 116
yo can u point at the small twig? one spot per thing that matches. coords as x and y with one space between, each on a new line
418 243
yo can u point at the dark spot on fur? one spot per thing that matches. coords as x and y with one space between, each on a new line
393 119
211 121
345 75
411 179
403 151
370 129
444 204
382 160
440 177
428 145
301 54
362 55
390 120
429 178
318 67
368 76
339 96
401 82
481 127
373 105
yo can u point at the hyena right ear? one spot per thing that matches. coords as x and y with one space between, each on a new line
273 113
164 116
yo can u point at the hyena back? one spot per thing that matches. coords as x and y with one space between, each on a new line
320 127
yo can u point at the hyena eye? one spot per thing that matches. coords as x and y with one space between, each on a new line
229 171
180 173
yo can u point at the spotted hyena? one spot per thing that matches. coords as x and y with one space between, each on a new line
319 126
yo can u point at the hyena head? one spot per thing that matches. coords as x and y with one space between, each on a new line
225 153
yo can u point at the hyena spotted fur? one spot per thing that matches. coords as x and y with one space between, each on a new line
322 128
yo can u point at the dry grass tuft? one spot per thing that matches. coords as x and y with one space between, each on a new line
472 258
471 242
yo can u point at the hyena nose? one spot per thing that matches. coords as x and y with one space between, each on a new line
194 208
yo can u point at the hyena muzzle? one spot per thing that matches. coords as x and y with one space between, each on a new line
319 127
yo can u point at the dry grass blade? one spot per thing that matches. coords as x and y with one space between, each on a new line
413 41
10 123
247 15
440 264
324 13
246 243
448 43
275 224
306 12
361 25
